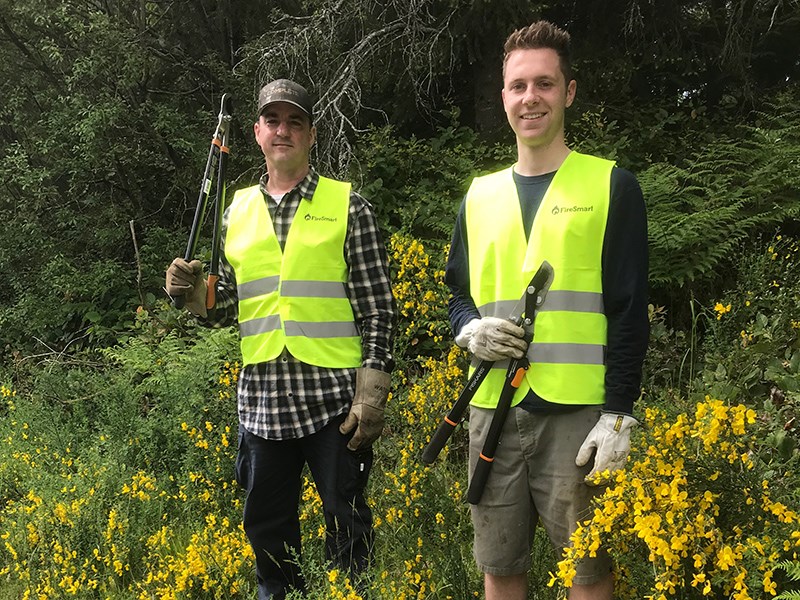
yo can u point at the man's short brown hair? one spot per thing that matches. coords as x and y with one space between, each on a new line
541 34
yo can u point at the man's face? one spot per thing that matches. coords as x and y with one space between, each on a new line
285 135
535 95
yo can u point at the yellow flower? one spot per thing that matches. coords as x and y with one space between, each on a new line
721 309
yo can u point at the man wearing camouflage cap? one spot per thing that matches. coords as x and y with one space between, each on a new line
305 274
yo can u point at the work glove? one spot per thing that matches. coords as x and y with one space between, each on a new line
369 404
186 279
611 438
491 338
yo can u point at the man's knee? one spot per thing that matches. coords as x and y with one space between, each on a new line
506 587
602 589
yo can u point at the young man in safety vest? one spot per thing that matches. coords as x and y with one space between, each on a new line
305 274
571 417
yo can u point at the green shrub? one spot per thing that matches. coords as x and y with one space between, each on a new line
700 211
697 513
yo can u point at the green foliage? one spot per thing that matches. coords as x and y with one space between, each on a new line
109 125
417 185
106 120
696 513
666 357
792 570
751 347
735 188
743 346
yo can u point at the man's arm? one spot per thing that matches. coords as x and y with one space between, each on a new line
461 307
369 286
625 291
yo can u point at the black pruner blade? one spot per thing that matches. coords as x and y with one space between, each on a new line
532 298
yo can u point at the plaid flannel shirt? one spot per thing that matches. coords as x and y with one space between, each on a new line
286 398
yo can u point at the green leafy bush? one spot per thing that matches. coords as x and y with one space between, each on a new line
417 185
696 513
701 211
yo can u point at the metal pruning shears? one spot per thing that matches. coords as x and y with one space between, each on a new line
217 157
523 315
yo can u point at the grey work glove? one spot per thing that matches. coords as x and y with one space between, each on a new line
186 279
611 438
369 404
492 338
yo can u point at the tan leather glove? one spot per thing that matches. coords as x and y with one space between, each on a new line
369 404
186 279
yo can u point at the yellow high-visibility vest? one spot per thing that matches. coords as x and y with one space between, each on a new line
294 298
567 354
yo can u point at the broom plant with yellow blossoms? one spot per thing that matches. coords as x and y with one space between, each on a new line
419 510
696 513
77 522
117 482
421 296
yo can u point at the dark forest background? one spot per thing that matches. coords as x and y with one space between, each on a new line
118 413
107 108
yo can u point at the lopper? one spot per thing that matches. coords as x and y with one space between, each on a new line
522 315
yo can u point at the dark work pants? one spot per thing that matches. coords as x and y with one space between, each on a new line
270 471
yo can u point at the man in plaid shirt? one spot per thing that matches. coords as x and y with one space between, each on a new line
305 274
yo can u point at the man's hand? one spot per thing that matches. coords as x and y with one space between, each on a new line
186 279
491 338
611 438
369 404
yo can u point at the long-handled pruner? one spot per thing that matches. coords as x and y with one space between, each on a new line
523 311
217 158
533 298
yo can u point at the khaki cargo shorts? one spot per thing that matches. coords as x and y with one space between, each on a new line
533 478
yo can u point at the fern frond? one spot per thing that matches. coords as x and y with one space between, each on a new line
792 570
699 212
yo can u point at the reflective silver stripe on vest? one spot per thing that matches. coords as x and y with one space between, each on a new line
590 302
257 326
313 289
576 354
330 329
502 308
299 289
257 287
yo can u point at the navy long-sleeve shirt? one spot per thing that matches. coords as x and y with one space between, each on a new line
624 267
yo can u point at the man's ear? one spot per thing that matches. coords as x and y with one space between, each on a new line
572 87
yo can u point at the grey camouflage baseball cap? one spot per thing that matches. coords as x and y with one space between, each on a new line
285 90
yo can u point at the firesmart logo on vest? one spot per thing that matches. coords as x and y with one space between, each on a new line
310 217
562 210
